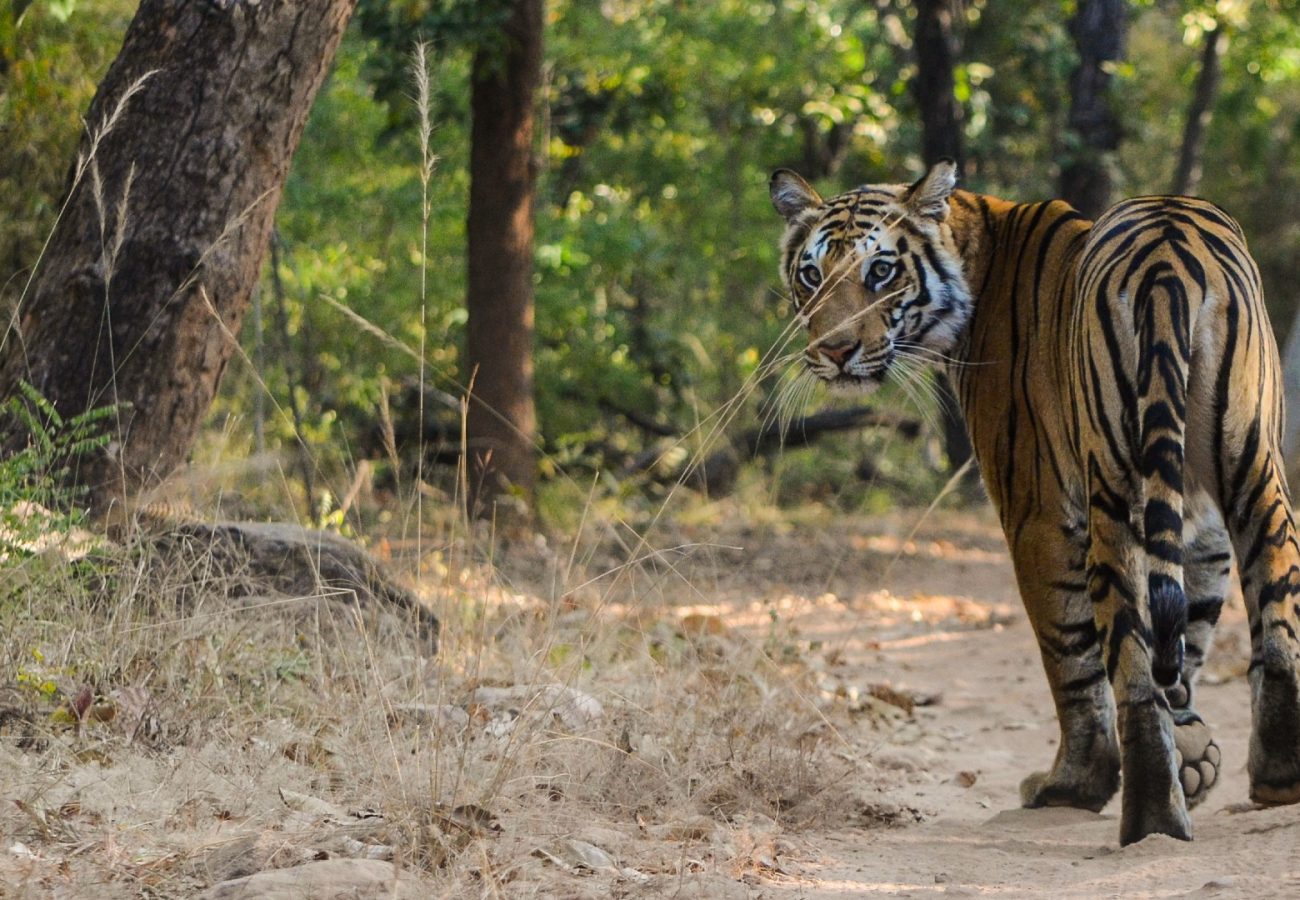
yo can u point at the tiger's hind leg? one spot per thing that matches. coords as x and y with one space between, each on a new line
1206 575
1264 536
1152 800
1049 563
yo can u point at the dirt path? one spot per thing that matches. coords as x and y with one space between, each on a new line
828 707
960 760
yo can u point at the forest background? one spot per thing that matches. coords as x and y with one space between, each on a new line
656 293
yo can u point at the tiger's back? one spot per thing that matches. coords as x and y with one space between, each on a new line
1121 388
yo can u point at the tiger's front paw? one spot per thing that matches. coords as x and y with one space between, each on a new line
1079 787
1196 755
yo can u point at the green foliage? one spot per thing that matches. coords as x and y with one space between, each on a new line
456 27
50 62
655 254
36 490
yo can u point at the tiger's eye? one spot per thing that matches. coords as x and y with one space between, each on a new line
880 270
810 275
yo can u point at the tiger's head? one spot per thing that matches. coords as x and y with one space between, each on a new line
874 274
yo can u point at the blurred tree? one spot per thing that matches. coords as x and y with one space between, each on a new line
149 268
501 424
504 40
1099 29
937 49
1187 173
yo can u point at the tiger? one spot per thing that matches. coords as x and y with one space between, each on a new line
1121 388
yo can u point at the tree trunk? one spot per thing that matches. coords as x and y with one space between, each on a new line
1187 177
937 49
499 349
1099 32
149 270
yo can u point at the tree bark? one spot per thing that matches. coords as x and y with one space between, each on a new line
937 49
1099 29
501 421
149 270
1187 177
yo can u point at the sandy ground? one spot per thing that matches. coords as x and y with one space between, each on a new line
958 762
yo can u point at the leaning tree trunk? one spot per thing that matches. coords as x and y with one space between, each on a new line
1187 176
937 49
501 422
1099 31
148 272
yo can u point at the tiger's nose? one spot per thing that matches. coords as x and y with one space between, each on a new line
839 353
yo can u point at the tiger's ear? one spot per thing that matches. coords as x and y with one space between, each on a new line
929 196
791 195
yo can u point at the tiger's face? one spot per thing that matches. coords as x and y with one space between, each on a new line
874 275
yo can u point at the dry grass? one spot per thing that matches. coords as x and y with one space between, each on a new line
162 729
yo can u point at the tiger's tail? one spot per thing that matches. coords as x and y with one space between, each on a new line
1163 307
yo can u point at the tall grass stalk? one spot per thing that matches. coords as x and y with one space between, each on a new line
85 158
420 72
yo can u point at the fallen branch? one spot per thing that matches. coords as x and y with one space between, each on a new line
716 474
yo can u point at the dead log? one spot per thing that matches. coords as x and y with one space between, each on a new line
716 474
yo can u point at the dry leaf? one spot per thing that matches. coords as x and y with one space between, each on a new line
576 856
312 806
892 696
308 753
574 709
80 704
468 818
361 850
699 625
441 717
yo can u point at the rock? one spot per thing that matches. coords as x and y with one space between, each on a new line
294 561
335 879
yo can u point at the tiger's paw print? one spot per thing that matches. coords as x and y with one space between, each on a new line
1196 754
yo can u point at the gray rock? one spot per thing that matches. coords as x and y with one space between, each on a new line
294 561
335 879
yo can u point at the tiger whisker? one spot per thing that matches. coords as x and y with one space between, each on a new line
934 355
918 389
